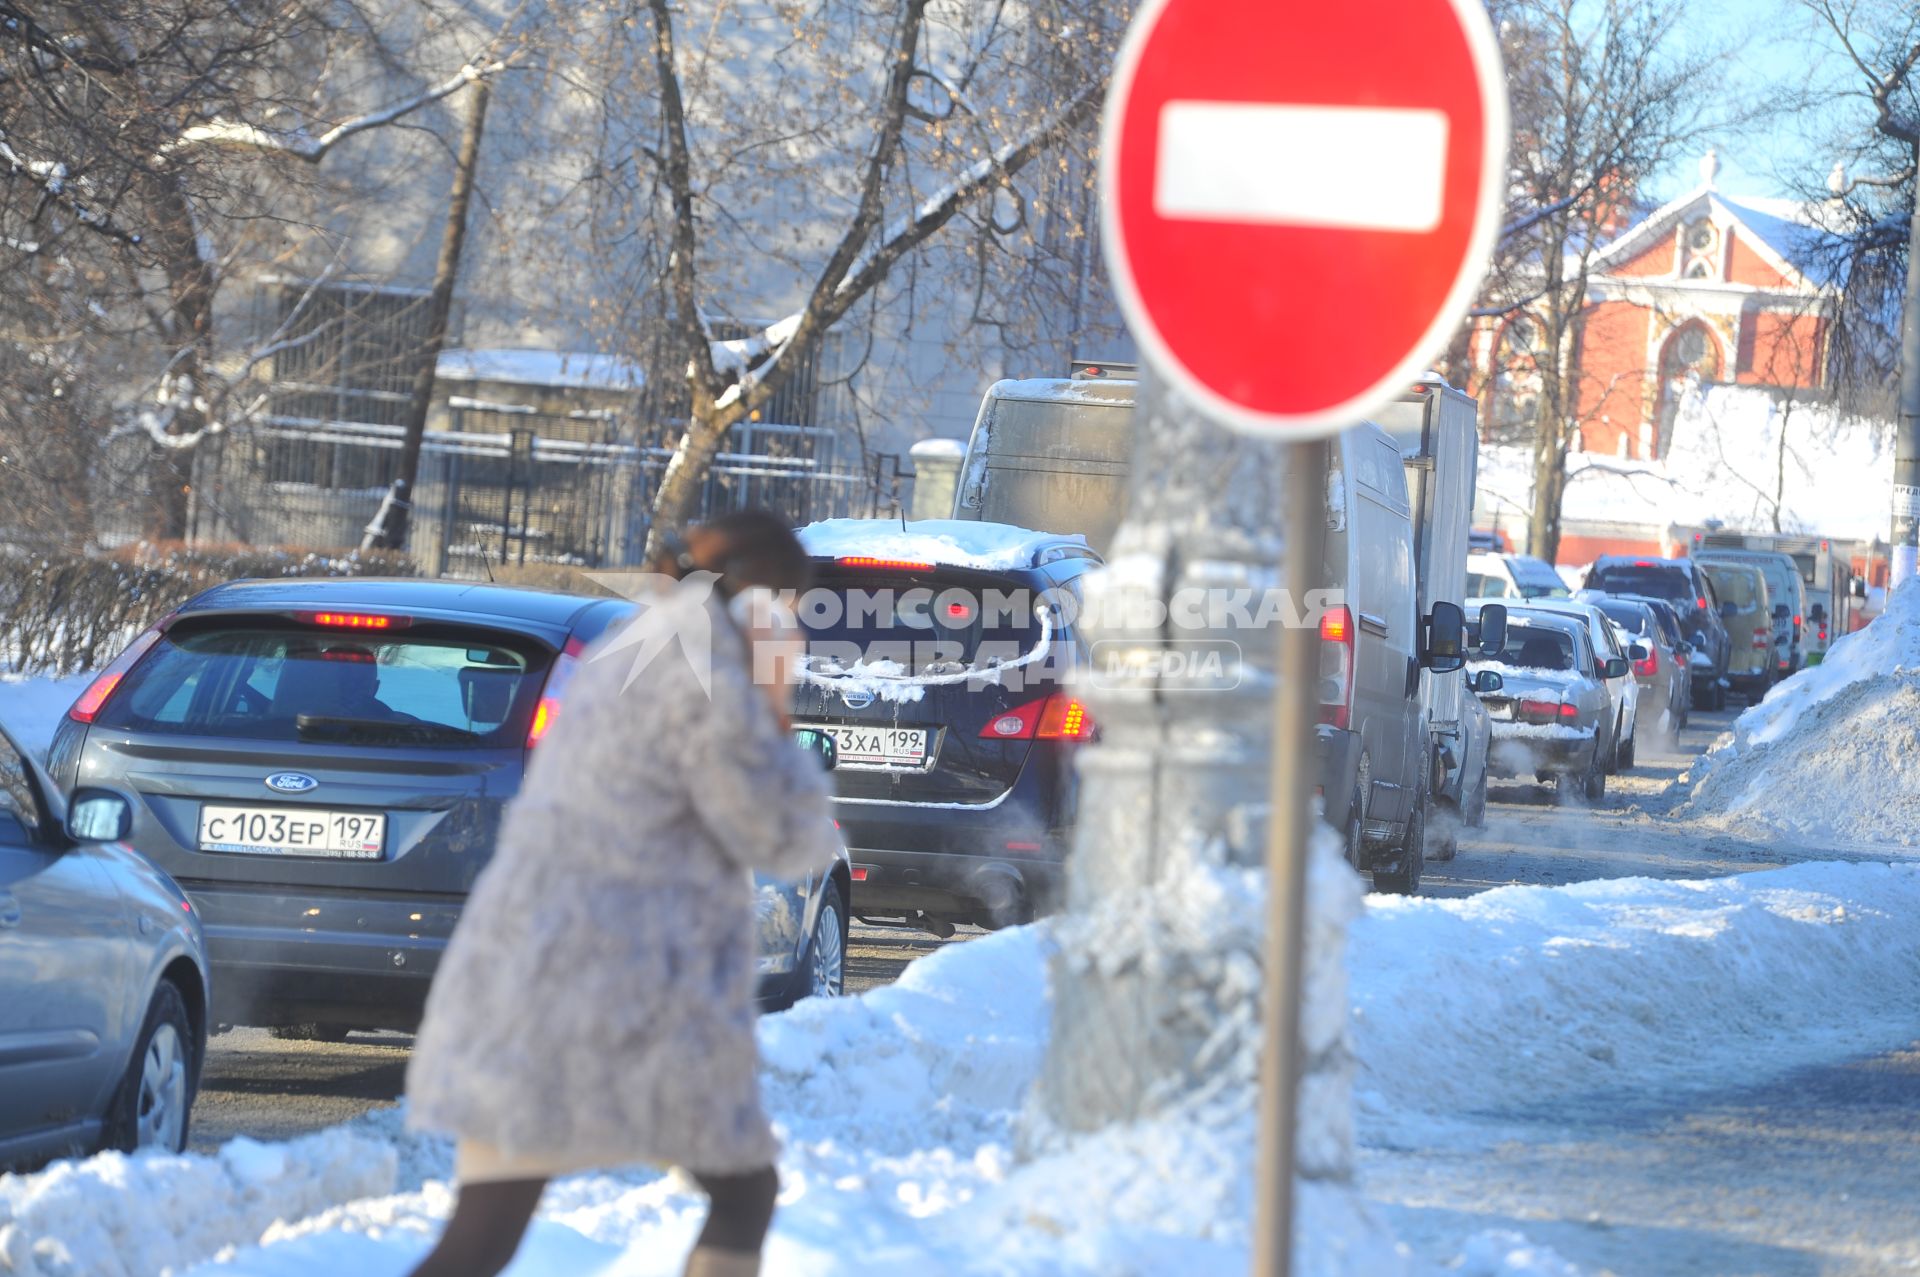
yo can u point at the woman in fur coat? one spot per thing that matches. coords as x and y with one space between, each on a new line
595 1006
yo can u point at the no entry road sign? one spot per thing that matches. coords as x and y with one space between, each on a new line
1300 200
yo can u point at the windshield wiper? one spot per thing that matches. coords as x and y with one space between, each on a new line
382 731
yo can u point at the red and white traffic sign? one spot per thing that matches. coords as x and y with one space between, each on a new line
1299 200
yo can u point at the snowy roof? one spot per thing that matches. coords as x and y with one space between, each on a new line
953 449
1787 233
583 369
959 543
1110 390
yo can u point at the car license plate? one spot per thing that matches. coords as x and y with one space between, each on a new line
878 746
1500 711
293 831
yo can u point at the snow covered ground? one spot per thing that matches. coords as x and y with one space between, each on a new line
1833 752
30 707
901 1110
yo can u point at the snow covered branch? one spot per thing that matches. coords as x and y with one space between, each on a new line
238 134
58 185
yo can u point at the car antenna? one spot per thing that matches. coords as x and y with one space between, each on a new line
486 561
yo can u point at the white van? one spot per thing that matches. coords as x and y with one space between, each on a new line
1513 576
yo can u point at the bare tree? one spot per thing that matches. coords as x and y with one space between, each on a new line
141 150
1603 98
763 173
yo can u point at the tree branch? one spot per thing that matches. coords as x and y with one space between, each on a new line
676 170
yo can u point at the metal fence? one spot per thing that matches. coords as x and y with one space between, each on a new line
523 488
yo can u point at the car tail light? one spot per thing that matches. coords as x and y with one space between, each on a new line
1055 717
1701 603
557 678
897 565
355 620
1762 637
1538 711
1823 634
1336 667
94 699
1649 667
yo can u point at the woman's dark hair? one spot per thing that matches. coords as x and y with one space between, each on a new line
751 548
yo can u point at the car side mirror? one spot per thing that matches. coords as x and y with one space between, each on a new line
1615 667
1781 611
99 815
1493 629
1486 681
1639 652
821 744
1446 638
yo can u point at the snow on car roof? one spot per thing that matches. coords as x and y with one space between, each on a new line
958 543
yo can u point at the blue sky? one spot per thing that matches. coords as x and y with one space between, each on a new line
1778 45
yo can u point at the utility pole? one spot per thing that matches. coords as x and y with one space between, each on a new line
1906 455
390 525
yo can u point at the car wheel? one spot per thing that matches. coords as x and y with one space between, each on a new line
310 1032
1719 696
826 964
1628 755
1476 813
1405 880
1595 789
1356 834
151 1107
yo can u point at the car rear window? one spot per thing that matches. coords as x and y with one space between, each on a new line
1734 585
1537 648
926 626
1630 618
1659 582
439 689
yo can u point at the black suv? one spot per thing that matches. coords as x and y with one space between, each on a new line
1681 583
942 671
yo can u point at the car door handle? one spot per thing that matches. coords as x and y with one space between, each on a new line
9 910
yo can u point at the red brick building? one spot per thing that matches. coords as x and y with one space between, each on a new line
1705 290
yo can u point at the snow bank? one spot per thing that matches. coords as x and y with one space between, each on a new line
1833 753
1526 1000
31 706
116 1216
947 542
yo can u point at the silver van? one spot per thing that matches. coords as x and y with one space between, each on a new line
1787 594
1376 757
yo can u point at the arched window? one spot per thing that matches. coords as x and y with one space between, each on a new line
1689 360
1515 384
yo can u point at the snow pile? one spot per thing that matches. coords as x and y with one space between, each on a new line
1833 753
1725 463
1523 1001
115 1216
958 543
31 706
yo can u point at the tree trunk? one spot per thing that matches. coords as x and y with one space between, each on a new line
396 512
677 501
190 288
1549 470
1176 784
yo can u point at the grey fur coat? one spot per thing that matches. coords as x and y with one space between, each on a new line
595 1005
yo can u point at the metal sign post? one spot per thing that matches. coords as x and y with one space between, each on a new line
1289 834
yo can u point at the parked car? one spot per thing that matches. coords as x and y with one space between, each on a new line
1682 583
1658 667
103 978
1788 596
1746 608
1513 576
956 789
1545 691
322 765
1622 691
